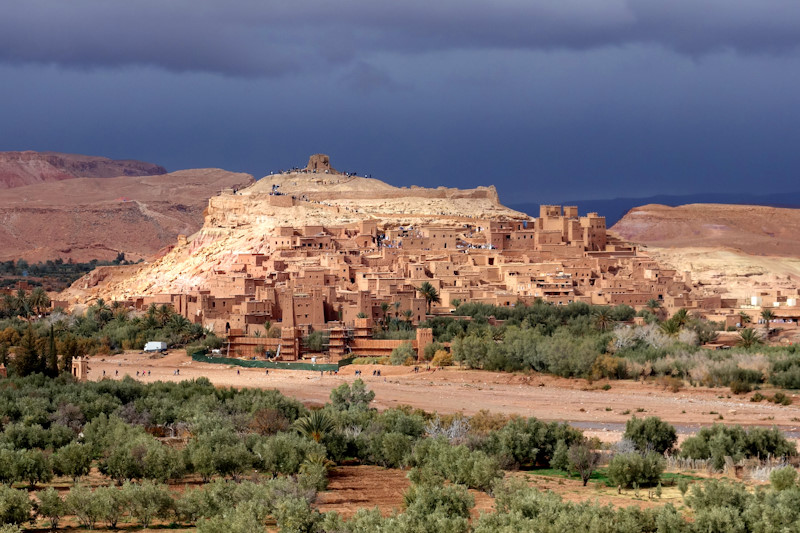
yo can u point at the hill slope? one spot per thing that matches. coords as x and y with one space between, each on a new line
90 218
18 169
730 249
754 230
244 223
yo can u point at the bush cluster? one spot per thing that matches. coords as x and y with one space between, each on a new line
720 441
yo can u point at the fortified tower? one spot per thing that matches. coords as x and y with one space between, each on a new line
320 163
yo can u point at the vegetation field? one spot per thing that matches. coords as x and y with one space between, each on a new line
189 455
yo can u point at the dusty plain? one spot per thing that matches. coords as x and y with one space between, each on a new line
586 405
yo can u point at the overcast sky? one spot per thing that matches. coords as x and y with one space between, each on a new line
547 99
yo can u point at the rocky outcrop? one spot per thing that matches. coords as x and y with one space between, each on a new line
18 169
89 218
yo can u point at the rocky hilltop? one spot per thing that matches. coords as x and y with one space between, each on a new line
732 249
18 169
89 218
244 221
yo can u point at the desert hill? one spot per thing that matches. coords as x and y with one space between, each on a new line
733 249
754 230
90 218
18 169
244 222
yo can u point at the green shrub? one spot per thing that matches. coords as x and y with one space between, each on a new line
285 452
783 478
452 500
529 442
51 506
431 349
741 387
220 452
403 354
316 341
73 460
716 493
650 434
353 397
718 441
436 458
111 503
147 501
33 466
781 399
560 460
627 469
81 503
15 506
296 515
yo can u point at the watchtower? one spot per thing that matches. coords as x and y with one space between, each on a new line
320 163
80 368
424 338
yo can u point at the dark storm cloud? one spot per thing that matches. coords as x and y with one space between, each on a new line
275 37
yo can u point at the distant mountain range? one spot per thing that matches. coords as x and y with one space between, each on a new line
615 208
18 169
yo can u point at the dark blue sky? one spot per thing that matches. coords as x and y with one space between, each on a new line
548 100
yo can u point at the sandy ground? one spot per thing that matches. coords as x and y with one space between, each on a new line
601 413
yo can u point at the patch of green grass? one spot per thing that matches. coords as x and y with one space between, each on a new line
601 476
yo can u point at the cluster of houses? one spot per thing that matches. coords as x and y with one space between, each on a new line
347 279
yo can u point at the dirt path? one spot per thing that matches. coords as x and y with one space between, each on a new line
600 412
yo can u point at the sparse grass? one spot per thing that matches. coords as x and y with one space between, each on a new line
668 479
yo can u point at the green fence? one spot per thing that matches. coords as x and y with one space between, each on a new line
201 357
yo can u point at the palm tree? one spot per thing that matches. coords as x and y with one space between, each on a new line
430 294
39 299
163 314
455 302
768 316
396 306
121 314
10 305
654 306
149 321
385 311
408 313
178 323
23 304
744 318
681 317
101 311
602 319
671 326
748 338
315 426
